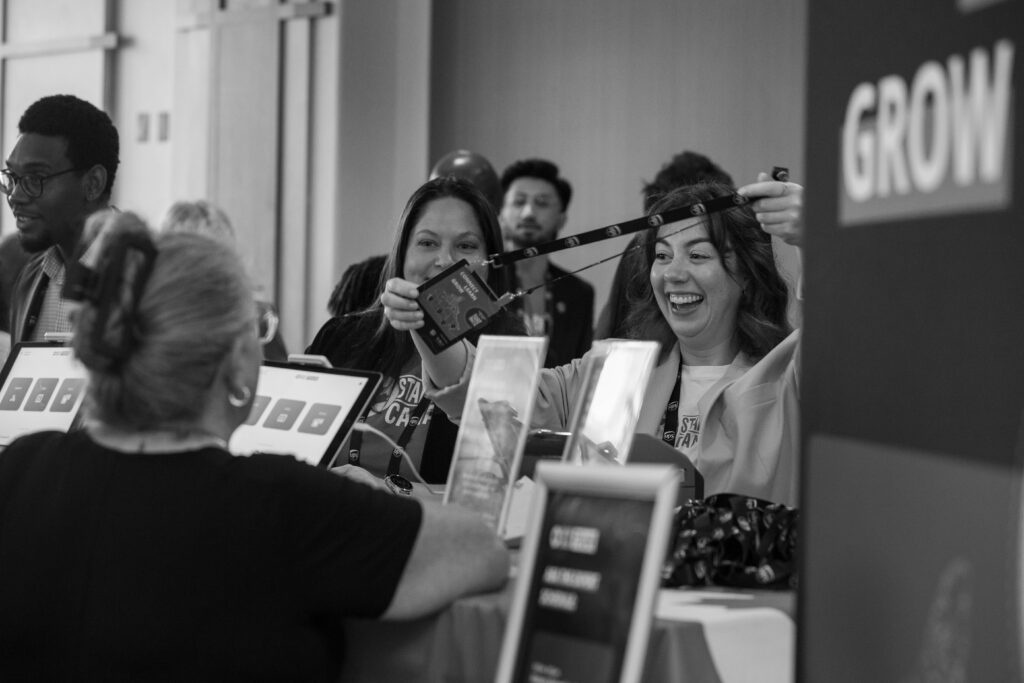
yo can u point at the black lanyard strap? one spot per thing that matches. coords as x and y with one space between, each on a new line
35 307
395 461
625 228
668 434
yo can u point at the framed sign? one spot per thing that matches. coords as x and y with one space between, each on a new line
603 423
492 433
589 574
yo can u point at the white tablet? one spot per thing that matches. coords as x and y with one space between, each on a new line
304 410
42 386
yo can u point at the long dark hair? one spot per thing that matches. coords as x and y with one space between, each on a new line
761 321
385 349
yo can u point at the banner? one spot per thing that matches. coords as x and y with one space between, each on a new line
913 357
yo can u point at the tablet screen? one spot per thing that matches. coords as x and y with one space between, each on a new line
43 388
303 411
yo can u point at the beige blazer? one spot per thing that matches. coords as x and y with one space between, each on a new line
750 419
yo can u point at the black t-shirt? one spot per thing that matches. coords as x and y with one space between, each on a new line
340 340
193 566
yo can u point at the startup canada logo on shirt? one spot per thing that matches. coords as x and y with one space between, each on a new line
398 399
689 431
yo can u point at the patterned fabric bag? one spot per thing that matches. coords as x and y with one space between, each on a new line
733 540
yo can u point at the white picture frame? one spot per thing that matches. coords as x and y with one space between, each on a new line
615 377
495 421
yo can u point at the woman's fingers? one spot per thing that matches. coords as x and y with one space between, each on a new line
778 207
400 306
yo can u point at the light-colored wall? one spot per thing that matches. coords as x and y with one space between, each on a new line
45 58
144 89
610 90
383 102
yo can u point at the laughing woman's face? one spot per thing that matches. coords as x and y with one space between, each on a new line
694 290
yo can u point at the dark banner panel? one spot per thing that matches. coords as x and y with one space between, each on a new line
914 342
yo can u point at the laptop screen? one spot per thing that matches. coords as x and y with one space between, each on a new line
304 411
42 386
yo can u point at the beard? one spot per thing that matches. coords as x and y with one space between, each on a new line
34 243
530 235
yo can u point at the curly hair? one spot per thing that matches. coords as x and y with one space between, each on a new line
761 320
91 135
538 168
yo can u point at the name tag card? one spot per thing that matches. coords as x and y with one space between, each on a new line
455 302
492 432
589 574
615 376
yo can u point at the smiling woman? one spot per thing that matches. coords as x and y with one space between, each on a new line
711 294
445 220
710 284
447 231
695 291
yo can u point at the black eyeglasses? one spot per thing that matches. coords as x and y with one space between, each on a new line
30 183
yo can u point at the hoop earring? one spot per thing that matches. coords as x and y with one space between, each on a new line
240 401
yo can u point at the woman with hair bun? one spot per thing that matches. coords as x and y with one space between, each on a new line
139 548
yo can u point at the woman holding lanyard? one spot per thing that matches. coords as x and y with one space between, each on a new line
445 220
712 295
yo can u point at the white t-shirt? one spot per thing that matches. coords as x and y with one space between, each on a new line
697 379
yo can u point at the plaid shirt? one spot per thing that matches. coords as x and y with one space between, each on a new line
53 315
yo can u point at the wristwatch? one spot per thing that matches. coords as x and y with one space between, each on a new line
398 485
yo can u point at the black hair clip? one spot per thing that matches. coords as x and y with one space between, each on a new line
115 287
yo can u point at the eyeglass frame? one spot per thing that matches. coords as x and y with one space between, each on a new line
19 181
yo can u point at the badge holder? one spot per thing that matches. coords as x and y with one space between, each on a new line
455 303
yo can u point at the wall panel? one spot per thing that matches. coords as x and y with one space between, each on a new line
611 90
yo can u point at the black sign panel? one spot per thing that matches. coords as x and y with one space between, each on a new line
583 588
913 355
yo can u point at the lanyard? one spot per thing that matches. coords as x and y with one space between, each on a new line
668 435
395 461
624 228
779 173
35 306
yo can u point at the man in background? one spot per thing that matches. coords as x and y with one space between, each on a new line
534 210
60 171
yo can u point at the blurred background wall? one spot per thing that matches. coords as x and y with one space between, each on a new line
311 122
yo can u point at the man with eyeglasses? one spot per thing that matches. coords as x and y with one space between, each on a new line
60 171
